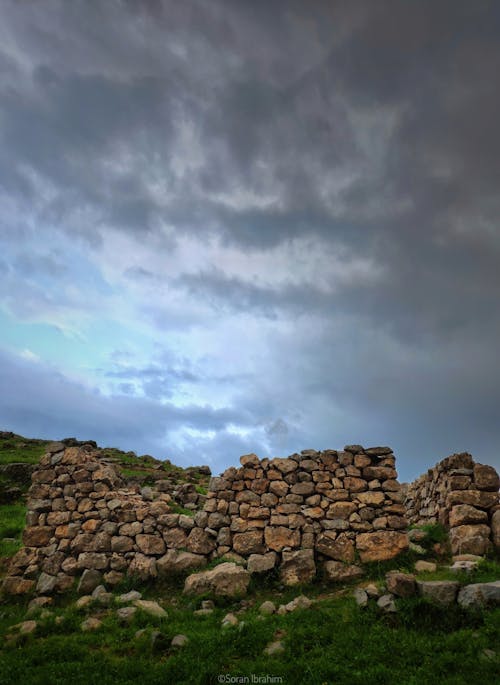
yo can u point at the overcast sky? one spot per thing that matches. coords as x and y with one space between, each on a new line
240 225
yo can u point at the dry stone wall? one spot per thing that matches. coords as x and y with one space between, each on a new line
462 496
311 507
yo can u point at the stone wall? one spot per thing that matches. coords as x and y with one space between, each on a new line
308 508
462 496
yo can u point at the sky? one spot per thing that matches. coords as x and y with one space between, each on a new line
231 226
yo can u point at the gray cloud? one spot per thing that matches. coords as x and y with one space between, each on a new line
368 127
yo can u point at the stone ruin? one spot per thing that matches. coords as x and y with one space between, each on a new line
463 497
297 513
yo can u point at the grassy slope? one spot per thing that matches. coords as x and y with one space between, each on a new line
333 642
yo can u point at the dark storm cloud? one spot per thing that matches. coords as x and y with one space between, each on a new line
370 125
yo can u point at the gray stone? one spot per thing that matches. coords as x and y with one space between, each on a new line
226 580
360 597
386 603
91 623
151 608
129 597
479 595
90 579
442 592
339 572
126 614
179 641
46 584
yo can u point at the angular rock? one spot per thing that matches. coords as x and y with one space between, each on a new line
381 545
15 585
200 542
339 572
279 537
89 581
174 562
297 567
250 542
425 566
495 528
442 592
340 549
226 580
360 597
470 539
464 513
150 607
386 603
46 584
143 567
401 584
150 544
479 595
486 478
259 563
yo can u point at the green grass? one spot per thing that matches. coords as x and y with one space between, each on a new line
12 522
177 509
11 452
333 642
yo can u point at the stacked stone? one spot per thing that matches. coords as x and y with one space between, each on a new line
334 503
82 518
462 496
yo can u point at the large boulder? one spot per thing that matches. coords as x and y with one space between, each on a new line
259 563
479 595
461 514
470 539
381 545
297 567
442 592
226 580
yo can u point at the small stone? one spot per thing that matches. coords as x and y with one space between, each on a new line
360 597
400 584
91 623
151 608
274 648
83 602
38 603
229 620
372 591
267 608
339 572
129 597
179 641
463 566
26 627
422 566
386 603
126 614
418 549
300 602
203 612
207 604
